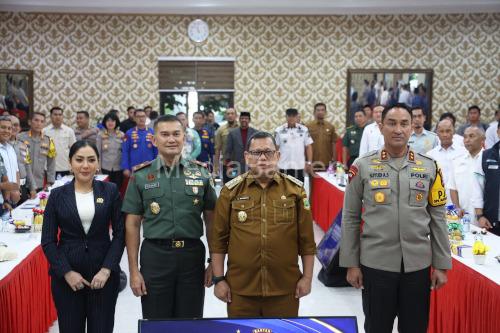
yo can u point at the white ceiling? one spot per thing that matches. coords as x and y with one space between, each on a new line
250 7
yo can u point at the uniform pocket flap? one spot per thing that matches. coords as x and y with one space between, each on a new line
152 193
242 204
284 203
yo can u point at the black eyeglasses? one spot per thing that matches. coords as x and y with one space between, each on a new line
257 153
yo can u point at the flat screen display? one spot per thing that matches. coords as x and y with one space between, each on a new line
252 325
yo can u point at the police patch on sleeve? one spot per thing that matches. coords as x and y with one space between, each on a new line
353 171
437 194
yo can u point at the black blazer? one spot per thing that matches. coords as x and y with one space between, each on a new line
75 250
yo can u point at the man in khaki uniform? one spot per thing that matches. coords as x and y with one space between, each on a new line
26 182
324 139
404 232
42 152
221 140
263 222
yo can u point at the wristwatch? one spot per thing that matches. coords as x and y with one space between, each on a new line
217 279
478 216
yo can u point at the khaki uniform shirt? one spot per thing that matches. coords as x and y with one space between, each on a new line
109 146
404 214
324 137
221 136
23 163
92 134
171 200
263 231
42 152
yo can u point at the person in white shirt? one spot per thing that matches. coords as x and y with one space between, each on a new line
491 133
295 145
446 151
462 172
457 139
372 139
9 157
63 137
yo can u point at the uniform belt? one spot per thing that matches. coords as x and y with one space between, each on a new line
177 243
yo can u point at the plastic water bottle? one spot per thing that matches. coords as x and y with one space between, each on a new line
340 174
466 222
330 171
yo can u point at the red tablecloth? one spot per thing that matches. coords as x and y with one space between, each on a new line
26 304
326 202
468 303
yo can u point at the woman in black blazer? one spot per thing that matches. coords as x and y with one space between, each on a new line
84 261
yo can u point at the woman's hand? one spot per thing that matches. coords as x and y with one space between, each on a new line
75 280
100 278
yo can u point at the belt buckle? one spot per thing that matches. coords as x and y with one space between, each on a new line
177 244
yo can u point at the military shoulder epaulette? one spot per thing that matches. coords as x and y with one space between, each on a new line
232 183
141 166
202 164
295 180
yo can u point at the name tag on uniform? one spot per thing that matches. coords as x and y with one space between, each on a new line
150 186
194 182
493 166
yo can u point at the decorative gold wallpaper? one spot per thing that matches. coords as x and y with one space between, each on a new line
98 62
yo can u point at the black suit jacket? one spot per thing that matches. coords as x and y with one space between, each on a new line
75 250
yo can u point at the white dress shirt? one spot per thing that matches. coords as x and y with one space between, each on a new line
491 135
372 139
292 143
86 209
461 179
10 162
444 158
63 138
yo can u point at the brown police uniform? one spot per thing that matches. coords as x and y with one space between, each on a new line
324 136
263 231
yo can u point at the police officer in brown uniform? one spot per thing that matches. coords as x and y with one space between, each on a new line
400 196
263 222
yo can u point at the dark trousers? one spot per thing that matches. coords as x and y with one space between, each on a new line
299 174
351 160
284 306
25 194
115 177
174 280
388 294
60 174
95 308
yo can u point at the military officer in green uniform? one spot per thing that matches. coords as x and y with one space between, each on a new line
168 196
352 138
402 250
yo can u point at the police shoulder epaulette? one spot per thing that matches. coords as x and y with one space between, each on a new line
233 182
295 180
141 166
202 164
427 157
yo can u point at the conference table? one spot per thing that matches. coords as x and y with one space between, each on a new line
468 303
26 304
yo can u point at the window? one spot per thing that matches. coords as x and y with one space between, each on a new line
192 84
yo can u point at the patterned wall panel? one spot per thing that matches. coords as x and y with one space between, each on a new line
98 62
